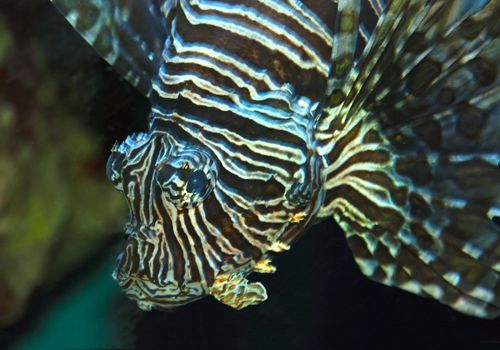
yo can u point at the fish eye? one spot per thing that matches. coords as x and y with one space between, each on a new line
114 167
186 178
198 182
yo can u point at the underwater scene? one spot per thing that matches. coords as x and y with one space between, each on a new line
249 174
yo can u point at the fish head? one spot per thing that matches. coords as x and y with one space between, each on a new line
194 214
164 183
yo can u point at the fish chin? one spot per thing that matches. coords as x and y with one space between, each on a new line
145 287
150 295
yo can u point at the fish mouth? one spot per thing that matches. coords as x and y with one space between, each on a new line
149 295
140 273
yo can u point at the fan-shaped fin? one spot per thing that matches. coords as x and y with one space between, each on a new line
414 175
128 34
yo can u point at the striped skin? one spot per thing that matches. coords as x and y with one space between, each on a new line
268 115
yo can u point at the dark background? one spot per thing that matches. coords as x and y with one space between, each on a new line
318 299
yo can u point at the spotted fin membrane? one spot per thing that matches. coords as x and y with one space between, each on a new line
414 162
128 34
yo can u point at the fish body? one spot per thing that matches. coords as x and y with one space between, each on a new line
267 116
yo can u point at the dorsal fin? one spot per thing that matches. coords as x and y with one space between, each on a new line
128 34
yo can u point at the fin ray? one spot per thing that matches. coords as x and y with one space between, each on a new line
128 34
414 162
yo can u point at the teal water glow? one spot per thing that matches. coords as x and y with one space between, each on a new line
82 318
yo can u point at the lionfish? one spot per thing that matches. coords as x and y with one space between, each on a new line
270 115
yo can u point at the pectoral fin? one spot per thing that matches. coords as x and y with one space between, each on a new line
234 290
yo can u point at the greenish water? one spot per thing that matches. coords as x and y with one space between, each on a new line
80 318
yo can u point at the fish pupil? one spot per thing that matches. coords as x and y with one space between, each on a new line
197 182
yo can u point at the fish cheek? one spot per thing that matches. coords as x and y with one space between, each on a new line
162 217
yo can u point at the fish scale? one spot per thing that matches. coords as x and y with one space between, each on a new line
267 116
